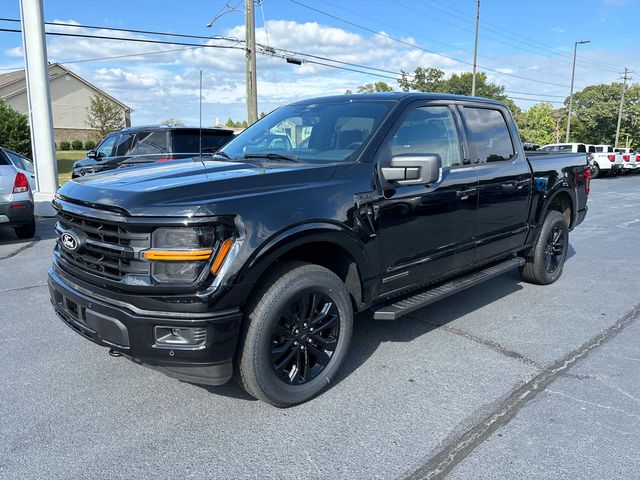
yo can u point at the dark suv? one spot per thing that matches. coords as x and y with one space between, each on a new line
135 145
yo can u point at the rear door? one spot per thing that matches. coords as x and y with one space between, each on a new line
504 180
427 231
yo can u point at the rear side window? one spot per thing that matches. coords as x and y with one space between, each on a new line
21 162
429 130
489 134
149 143
189 141
581 148
4 160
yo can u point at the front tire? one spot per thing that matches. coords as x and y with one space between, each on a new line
297 332
545 259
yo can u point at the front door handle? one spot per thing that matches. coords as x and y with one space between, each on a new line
466 192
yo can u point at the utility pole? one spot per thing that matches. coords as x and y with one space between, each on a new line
250 46
573 75
625 77
39 101
475 53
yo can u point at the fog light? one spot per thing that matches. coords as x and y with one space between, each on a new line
180 336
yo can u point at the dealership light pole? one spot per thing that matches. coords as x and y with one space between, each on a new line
475 53
573 74
39 102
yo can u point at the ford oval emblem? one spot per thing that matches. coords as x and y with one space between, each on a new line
70 241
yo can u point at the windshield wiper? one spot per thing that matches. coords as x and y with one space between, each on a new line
220 153
272 156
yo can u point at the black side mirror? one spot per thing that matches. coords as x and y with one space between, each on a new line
411 169
92 154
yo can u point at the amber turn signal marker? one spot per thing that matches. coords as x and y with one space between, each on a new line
178 255
221 255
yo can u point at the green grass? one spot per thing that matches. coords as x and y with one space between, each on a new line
66 159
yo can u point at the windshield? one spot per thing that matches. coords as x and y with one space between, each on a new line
322 132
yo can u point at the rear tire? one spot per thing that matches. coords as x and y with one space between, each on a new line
296 334
545 259
26 231
595 171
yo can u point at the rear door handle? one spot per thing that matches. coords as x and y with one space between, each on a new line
466 193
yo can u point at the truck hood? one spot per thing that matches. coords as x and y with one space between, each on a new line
188 187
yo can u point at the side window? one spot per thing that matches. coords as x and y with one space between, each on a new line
564 148
124 144
4 159
16 160
429 130
149 143
105 149
489 134
21 162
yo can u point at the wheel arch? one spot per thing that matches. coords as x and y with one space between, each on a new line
323 244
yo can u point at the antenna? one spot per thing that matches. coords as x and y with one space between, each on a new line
200 134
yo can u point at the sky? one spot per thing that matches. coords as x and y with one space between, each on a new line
526 46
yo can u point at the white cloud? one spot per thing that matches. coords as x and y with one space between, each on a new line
14 52
558 29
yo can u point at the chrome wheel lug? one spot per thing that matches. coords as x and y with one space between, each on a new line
308 340
302 347
295 343
304 325
311 329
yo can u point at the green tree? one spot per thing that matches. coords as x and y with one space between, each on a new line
375 88
104 116
243 124
539 124
173 122
14 130
230 123
423 79
595 114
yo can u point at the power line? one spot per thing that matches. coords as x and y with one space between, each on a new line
519 38
417 47
536 94
316 59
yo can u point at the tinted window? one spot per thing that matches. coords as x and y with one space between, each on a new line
564 148
428 130
189 141
489 134
315 132
106 147
149 143
124 144
582 148
4 160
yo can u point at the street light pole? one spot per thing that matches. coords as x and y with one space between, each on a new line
573 75
475 53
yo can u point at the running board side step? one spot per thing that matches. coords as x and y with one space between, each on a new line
393 311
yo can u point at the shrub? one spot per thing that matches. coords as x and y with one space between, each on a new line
14 130
76 145
89 145
64 145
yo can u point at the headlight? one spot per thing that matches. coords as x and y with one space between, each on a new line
179 255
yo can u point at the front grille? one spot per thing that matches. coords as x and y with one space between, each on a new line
109 250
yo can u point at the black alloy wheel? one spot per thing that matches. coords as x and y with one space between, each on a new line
554 251
295 335
305 337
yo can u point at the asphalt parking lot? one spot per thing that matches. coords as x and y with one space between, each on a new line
504 381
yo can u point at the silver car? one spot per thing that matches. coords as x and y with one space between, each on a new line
17 180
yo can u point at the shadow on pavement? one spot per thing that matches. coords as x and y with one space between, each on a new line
44 231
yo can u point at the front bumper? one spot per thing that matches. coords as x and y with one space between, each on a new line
16 213
119 328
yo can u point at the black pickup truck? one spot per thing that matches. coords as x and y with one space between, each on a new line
252 261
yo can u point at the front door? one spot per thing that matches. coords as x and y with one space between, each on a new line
427 231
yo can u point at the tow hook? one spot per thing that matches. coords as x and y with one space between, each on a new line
114 353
